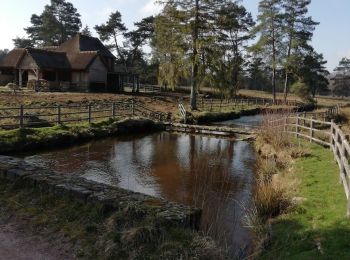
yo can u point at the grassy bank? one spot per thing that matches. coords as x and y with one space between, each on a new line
29 139
300 204
317 227
96 233
208 117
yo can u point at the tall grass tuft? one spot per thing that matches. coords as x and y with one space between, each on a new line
274 187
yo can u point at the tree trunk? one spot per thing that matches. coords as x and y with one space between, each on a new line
273 65
286 86
195 60
287 74
119 52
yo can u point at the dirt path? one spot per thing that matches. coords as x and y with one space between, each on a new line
17 244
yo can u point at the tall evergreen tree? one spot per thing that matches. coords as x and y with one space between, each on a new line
3 53
22 42
143 34
86 31
111 31
57 23
342 78
270 31
233 28
299 31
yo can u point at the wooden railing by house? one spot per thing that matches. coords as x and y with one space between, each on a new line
41 116
327 134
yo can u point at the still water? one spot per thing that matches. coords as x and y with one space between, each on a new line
246 122
214 174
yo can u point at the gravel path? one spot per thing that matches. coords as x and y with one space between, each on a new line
16 244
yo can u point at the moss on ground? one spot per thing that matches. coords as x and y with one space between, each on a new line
96 233
317 228
28 139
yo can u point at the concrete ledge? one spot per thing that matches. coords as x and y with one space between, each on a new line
168 213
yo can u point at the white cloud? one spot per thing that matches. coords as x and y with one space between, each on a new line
150 8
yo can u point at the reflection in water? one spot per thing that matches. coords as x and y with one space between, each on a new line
246 122
214 174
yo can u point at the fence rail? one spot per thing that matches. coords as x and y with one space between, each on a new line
327 134
41 116
211 104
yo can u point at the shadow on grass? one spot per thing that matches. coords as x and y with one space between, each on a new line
292 239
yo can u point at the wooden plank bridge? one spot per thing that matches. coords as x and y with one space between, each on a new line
209 130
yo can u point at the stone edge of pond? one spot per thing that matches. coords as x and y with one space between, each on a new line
15 170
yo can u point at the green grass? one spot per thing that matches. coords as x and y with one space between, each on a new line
26 139
318 227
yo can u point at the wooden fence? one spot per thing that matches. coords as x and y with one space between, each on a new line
219 104
41 116
144 88
327 134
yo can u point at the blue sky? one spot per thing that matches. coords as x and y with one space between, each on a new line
332 36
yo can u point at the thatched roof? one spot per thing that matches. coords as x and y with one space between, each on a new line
81 43
49 59
12 59
78 53
82 60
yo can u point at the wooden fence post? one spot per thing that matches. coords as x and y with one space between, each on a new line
297 126
311 129
285 125
89 113
133 107
113 110
332 135
58 114
21 116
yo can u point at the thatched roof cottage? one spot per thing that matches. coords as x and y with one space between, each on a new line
82 63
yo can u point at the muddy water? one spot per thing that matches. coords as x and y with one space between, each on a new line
213 174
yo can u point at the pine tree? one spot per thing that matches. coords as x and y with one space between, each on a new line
58 22
22 42
342 78
3 53
270 32
143 34
86 31
111 31
233 28
299 31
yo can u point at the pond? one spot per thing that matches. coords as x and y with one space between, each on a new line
214 174
246 122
